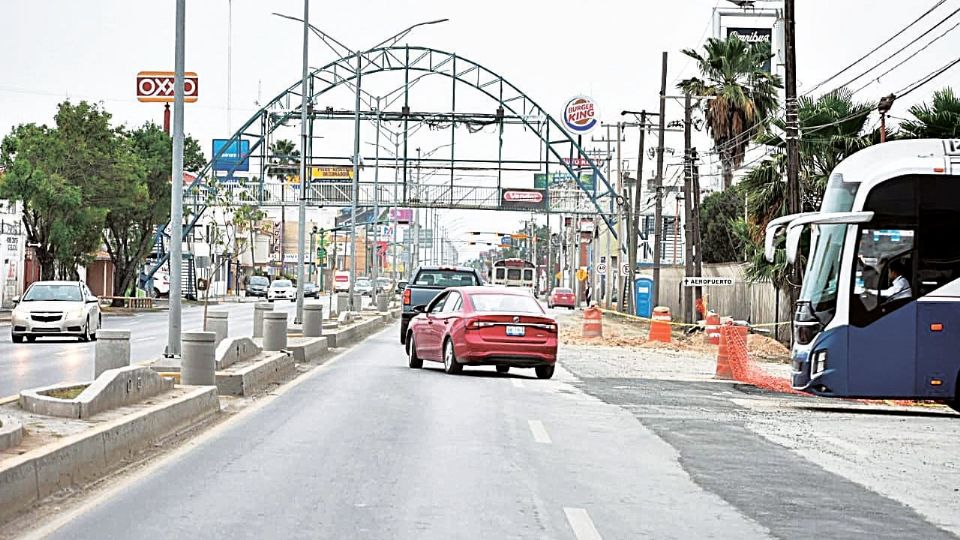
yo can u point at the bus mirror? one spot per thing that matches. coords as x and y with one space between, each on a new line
793 242
773 229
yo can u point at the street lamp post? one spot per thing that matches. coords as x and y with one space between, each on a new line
304 141
376 208
176 189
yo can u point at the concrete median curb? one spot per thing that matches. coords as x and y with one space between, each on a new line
11 432
246 380
86 456
347 335
308 349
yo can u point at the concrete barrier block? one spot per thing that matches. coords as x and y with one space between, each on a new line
308 349
249 380
37 401
218 322
236 349
112 351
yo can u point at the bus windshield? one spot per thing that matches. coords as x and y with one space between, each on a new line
823 270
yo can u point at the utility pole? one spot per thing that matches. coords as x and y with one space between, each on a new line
176 189
658 185
793 128
573 257
695 218
638 192
376 210
688 315
304 141
611 271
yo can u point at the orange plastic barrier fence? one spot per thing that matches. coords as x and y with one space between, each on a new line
592 322
733 339
660 325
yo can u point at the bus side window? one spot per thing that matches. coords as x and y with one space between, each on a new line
501 273
938 261
876 251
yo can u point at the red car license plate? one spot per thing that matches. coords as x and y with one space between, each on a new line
516 331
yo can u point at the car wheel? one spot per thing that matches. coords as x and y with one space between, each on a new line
85 336
403 332
503 369
270 300
17 339
156 292
93 335
413 361
544 372
450 364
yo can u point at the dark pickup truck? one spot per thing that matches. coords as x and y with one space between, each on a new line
427 283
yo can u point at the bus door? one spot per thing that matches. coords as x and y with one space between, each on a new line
881 339
938 283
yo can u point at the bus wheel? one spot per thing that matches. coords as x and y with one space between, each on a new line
955 405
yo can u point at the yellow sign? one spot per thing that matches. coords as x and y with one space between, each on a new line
559 275
332 173
581 274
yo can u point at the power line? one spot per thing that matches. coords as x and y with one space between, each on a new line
907 59
877 48
900 50
933 75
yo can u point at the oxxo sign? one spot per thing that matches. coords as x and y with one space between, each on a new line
157 87
581 115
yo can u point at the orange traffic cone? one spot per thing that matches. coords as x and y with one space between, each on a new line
660 325
723 354
592 322
711 333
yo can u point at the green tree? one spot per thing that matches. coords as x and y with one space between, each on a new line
719 212
139 201
63 175
938 120
743 95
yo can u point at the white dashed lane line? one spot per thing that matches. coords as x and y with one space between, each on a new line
581 524
539 432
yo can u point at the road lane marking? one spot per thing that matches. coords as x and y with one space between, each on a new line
581 524
143 339
539 432
517 383
160 461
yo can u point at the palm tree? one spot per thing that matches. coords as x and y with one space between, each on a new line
939 120
833 127
284 160
743 95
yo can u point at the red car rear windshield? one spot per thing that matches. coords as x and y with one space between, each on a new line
505 302
562 291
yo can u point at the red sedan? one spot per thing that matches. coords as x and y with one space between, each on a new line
561 297
483 326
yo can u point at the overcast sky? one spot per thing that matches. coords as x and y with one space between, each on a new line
608 49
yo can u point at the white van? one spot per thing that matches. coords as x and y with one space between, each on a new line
341 281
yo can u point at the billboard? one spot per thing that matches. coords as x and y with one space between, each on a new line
581 115
235 156
331 174
401 215
523 199
157 87
755 36
543 180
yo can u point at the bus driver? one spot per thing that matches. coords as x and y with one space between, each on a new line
899 285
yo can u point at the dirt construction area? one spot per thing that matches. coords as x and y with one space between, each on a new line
733 436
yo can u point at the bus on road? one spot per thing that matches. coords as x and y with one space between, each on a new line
514 273
879 310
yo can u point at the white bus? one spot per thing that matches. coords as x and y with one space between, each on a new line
514 273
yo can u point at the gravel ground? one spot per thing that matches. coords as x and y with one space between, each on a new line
907 454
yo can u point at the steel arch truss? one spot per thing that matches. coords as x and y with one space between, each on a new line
559 149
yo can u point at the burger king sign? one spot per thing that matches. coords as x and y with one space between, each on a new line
581 115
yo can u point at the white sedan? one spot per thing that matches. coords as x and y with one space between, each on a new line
282 289
56 308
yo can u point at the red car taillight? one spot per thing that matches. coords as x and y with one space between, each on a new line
406 297
476 324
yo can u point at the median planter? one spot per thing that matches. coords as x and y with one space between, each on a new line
113 388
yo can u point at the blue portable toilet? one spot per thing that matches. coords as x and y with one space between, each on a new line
644 300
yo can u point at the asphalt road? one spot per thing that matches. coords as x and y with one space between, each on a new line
368 448
52 360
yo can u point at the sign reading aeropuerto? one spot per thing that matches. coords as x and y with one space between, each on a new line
157 87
